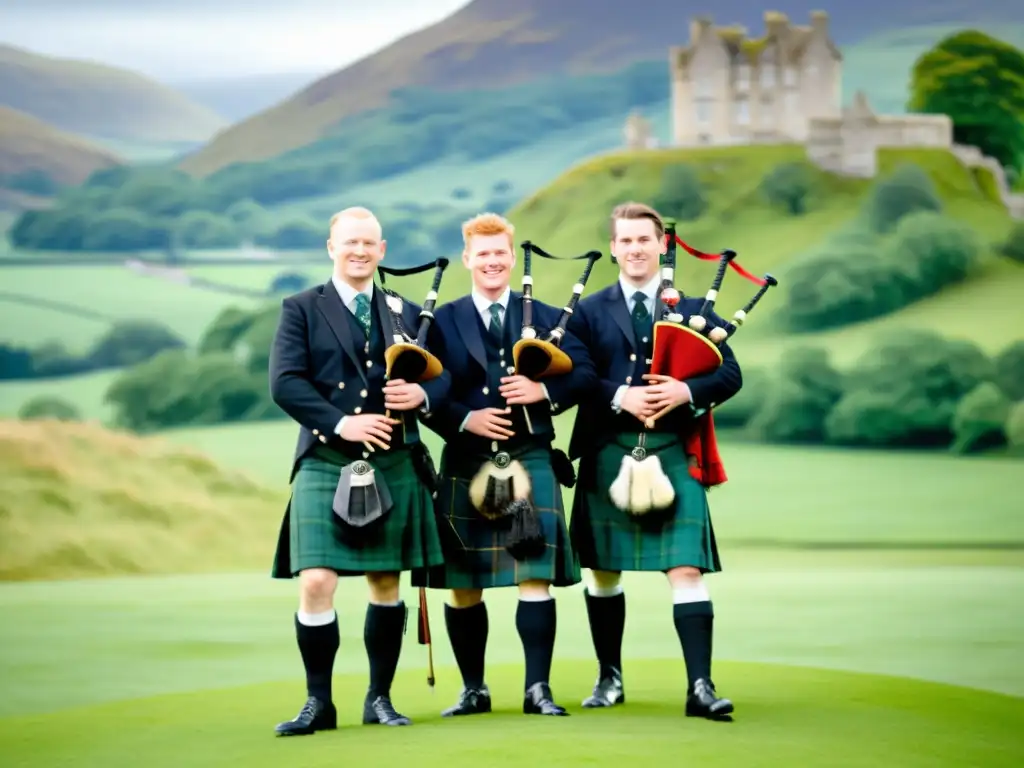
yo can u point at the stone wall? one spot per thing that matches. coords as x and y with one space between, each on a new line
972 157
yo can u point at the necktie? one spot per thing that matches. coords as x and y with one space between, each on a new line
363 312
641 317
495 325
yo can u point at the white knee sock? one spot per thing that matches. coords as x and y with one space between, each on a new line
316 619
534 597
595 591
697 593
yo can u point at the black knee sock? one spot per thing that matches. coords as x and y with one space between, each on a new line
607 623
382 634
318 646
467 630
536 622
693 625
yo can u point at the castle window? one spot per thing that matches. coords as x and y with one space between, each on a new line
743 77
703 112
742 112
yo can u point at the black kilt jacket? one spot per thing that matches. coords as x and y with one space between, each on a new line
315 373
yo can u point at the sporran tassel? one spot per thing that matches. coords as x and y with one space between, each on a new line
525 538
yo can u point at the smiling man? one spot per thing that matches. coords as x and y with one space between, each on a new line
499 474
358 504
616 324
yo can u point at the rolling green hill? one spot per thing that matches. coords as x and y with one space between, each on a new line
165 509
29 145
95 100
569 216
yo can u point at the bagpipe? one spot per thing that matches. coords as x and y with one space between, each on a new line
501 488
682 348
409 359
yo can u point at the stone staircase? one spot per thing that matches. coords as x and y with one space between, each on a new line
972 157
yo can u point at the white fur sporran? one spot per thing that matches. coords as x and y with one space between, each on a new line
641 485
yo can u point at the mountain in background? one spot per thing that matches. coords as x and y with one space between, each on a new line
100 101
494 43
36 159
236 98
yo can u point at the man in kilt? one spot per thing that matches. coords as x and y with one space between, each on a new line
494 420
327 371
616 324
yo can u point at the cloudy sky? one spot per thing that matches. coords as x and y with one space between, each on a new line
198 39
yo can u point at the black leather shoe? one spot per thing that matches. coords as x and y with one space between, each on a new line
315 716
608 691
538 701
379 711
702 702
472 701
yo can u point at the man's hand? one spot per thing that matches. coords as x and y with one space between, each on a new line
488 422
664 391
636 401
519 390
368 428
399 396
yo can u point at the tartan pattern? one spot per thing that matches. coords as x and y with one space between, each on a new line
486 563
310 536
607 539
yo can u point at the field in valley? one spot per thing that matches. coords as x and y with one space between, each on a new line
839 567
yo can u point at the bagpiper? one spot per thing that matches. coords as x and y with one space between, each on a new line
500 497
640 502
360 496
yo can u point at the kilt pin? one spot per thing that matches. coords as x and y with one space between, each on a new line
326 364
480 549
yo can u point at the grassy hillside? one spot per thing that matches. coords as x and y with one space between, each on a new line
29 144
96 100
96 502
570 216
536 40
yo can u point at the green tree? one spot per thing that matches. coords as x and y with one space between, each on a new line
48 407
980 419
681 194
905 190
1014 428
905 390
1009 365
932 251
133 341
1013 246
979 82
796 406
789 186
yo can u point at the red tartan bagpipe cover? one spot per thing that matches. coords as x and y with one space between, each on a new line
684 353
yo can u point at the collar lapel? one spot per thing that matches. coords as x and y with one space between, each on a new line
333 309
469 329
383 316
617 309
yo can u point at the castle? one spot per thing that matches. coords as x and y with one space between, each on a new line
786 88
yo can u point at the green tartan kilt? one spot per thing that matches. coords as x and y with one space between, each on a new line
482 562
312 536
608 539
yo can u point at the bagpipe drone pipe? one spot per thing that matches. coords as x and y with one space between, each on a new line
501 489
409 360
683 348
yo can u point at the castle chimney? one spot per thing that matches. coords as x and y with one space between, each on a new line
819 22
698 27
776 24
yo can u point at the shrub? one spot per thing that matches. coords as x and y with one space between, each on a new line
788 186
980 419
1013 247
47 407
681 194
1009 370
906 190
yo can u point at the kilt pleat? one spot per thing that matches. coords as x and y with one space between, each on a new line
482 562
312 536
607 539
